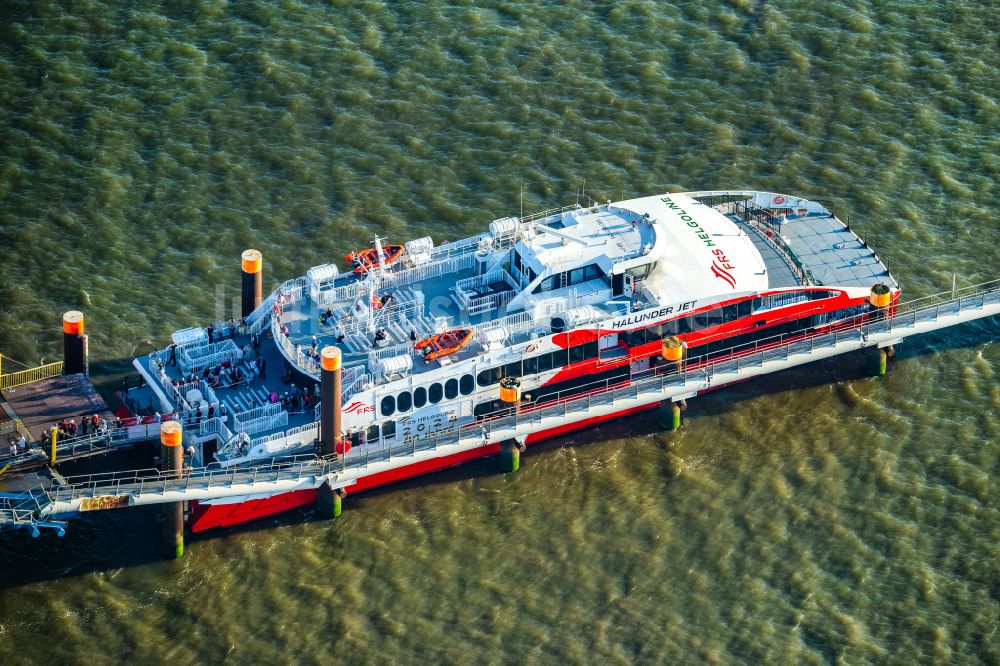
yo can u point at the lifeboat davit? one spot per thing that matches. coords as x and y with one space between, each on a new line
443 344
366 260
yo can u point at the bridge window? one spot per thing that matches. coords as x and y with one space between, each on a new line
388 405
640 272
451 389
436 393
404 401
467 384
419 397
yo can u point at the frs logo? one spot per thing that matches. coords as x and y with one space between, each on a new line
359 408
721 268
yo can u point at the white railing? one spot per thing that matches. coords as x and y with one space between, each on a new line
293 438
362 383
261 423
196 359
512 322
242 421
304 363
433 268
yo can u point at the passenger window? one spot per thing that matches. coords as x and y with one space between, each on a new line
544 362
404 401
389 429
388 405
576 354
512 369
436 393
419 397
530 365
467 384
451 389
372 434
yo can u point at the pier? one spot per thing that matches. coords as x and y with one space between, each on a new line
51 503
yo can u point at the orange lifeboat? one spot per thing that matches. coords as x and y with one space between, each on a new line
365 260
443 344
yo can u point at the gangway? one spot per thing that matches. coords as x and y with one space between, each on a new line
45 507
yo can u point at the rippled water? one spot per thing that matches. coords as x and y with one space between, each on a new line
821 516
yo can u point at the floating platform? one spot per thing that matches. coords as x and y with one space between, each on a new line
43 404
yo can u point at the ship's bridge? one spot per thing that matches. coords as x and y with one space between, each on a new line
581 257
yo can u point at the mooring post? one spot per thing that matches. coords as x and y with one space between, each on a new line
252 285
669 415
330 396
74 343
55 436
329 502
510 456
172 464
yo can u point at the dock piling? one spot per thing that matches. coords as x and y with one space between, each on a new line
252 285
510 456
670 415
330 398
74 343
329 502
172 463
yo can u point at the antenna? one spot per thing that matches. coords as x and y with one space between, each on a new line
522 202
584 188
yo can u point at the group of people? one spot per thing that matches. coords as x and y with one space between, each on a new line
297 400
89 425
215 377
18 445
229 328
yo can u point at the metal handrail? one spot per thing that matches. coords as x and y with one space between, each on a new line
31 375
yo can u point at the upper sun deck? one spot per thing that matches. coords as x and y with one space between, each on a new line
580 264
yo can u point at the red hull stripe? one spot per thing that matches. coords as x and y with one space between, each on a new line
207 516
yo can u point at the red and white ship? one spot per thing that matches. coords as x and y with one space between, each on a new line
450 351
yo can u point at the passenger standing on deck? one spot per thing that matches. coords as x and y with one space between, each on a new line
173 354
63 427
211 333
22 444
84 424
71 429
261 365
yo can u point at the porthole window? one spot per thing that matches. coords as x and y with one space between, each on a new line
388 405
467 384
419 397
436 393
404 401
451 389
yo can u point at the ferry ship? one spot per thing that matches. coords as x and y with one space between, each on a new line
438 344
